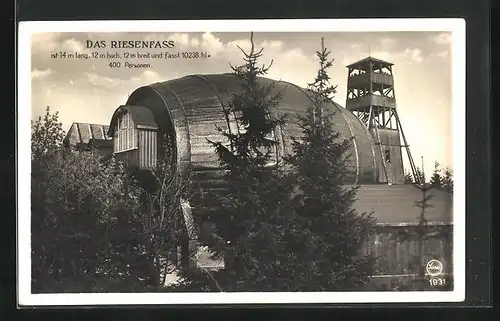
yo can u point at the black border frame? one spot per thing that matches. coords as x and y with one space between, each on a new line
478 163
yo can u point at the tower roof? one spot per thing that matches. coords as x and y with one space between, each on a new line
365 61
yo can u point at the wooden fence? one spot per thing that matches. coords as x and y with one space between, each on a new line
397 248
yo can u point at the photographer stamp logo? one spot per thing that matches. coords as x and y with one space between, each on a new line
434 268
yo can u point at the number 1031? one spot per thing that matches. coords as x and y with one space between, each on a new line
437 281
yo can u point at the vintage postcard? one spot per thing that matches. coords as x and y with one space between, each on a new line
252 161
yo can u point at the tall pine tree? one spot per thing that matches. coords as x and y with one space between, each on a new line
326 234
448 180
251 205
436 179
422 231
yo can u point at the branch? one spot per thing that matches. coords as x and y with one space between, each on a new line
265 69
217 284
251 41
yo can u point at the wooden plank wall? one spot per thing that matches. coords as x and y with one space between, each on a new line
203 112
129 158
390 140
397 255
147 148
363 154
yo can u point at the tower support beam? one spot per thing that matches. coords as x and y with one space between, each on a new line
413 167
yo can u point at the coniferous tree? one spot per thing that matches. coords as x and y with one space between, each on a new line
448 180
436 179
408 177
250 206
442 178
422 232
326 234
420 175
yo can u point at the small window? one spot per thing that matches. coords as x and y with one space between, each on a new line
387 156
125 135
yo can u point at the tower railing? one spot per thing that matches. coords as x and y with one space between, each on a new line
367 100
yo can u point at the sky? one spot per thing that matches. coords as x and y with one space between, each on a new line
88 90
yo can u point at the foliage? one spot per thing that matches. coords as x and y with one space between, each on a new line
441 179
292 227
436 179
422 230
47 135
88 232
163 192
420 174
408 178
251 206
447 180
325 233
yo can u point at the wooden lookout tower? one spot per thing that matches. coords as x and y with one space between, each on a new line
371 97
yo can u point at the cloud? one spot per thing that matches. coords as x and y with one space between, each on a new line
273 45
408 55
180 39
146 77
414 54
218 49
346 62
98 90
440 55
44 42
72 45
195 42
211 43
443 54
40 74
384 55
443 38
106 88
102 81
184 41
386 41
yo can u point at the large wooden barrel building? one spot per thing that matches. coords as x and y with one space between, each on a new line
187 112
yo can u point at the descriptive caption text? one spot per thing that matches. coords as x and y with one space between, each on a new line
136 59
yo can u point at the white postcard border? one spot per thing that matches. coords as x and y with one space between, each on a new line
26 29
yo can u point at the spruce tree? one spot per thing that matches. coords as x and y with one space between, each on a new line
420 176
436 179
408 177
448 180
250 206
422 230
325 234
